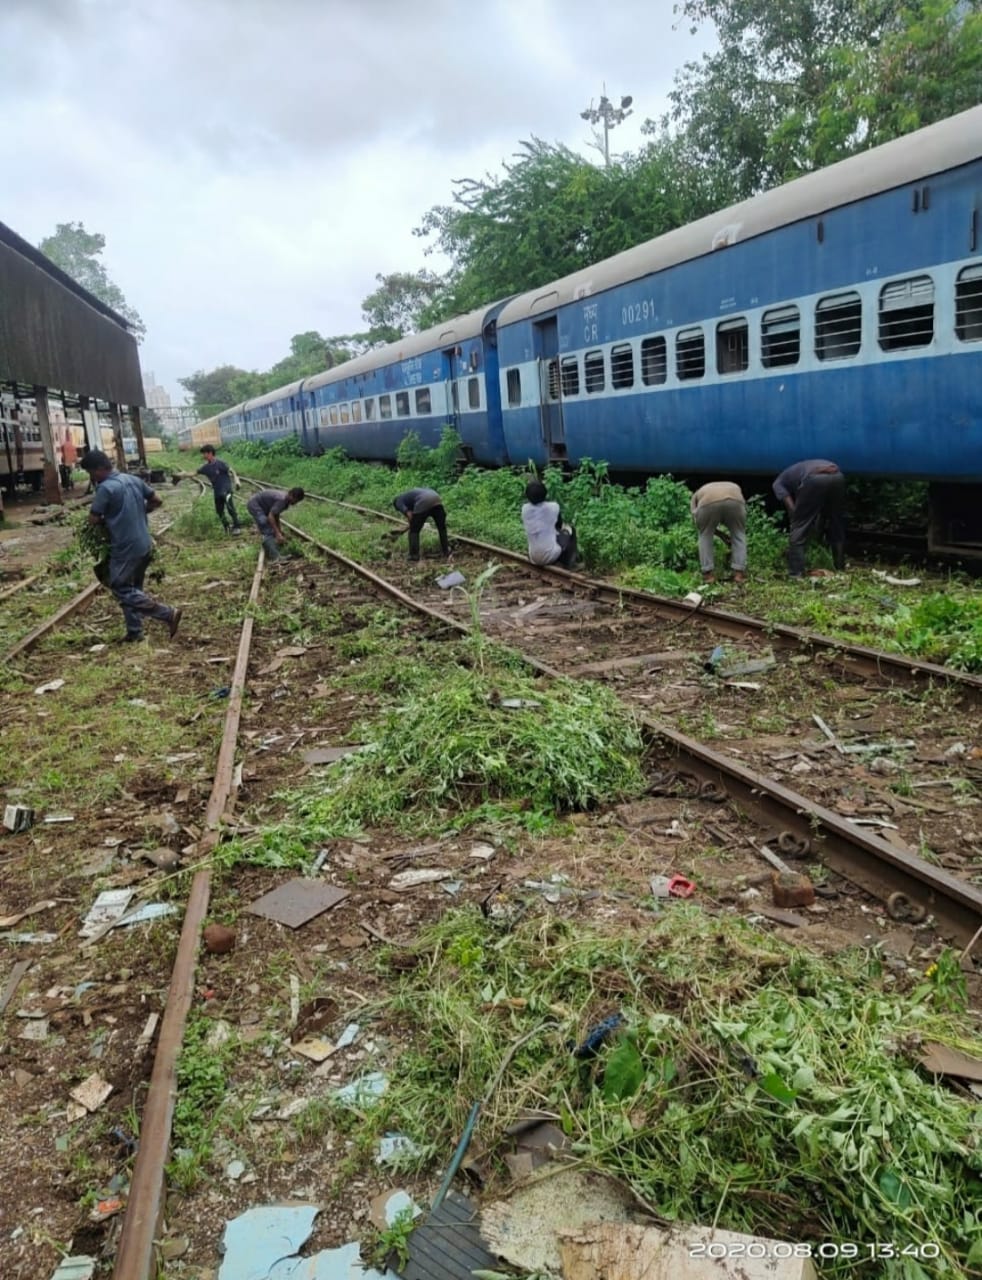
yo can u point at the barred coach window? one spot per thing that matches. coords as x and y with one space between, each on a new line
570 369
906 313
690 354
622 365
514 387
732 346
473 393
654 362
423 400
385 407
369 408
838 326
780 337
402 404
968 304
593 371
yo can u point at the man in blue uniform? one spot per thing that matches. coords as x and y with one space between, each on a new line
418 506
814 493
121 504
266 507
216 472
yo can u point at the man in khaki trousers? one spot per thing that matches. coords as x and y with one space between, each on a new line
716 504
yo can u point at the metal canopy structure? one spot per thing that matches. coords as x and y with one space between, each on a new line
54 333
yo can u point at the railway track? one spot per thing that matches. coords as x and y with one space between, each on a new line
563 627
721 787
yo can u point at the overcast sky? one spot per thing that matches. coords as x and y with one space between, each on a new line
254 163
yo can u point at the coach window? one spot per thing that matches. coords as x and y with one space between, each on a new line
402 404
968 304
780 337
732 346
474 393
593 372
324 418
385 407
906 313
838 326
570 375
423 400
654 362
356 411
514 387
622 365
334 415
690 354
344 415
370 409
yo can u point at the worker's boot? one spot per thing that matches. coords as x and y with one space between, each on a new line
839 555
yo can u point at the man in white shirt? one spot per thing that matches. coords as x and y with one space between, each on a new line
721 503
550 542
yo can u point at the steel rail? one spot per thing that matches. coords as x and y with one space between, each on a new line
19 586
145 1203
858 659
865 860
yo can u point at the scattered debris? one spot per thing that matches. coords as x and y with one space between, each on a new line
13 982
7 922
218 939
349 1035
524 1227
328 755
36 1027
108 908
904 910
235 1169
448 1245
727 662
314 1047
81 1266
896 582
789 918
453 579
51 687
942 1060
597 1037
52 818
18 817
392 1147
264 1243
28 937
389 1205
163 859
789 889
364 1091
149 911
518 704
297 902
416 876
91 1093
674 886
146 1035
484 852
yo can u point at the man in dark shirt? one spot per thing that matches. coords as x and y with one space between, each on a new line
266 507
418 506
217 472
121 504
814 493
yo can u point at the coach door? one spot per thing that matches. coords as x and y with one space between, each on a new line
451 371
546 339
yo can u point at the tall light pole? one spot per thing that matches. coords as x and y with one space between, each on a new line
610 115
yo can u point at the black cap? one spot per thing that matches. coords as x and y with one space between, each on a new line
96 460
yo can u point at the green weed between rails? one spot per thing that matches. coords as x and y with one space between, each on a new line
201 1088
451 753
755 1086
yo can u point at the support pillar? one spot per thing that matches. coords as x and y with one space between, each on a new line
141 448
52 484
90 423
117 420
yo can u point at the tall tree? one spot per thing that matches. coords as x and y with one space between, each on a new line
221 388
553 212
799 83
77 252
396 306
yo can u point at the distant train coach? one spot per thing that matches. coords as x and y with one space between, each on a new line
837 316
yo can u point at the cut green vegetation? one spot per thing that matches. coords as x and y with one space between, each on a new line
749 1085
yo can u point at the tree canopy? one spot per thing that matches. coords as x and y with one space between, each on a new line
77 252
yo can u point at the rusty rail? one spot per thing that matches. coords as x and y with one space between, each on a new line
145 1204
49 624
859 659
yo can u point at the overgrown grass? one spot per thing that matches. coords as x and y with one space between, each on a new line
754 1085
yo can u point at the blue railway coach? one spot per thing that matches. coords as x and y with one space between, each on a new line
839 315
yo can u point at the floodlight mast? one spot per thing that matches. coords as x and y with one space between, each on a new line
610 115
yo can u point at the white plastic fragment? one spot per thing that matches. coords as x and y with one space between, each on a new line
349 1035
362 1092
393 1146
109 907
417 876
51 687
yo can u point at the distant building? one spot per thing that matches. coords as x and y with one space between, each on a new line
157 397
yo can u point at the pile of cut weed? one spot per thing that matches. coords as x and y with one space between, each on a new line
453 746
754 1086
943 629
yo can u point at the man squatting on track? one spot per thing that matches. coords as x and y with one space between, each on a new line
550 541
814 493
266 507
418 506
121 504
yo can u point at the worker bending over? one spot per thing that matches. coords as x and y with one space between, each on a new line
418 506
550 541
266 507
814 493
716 504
